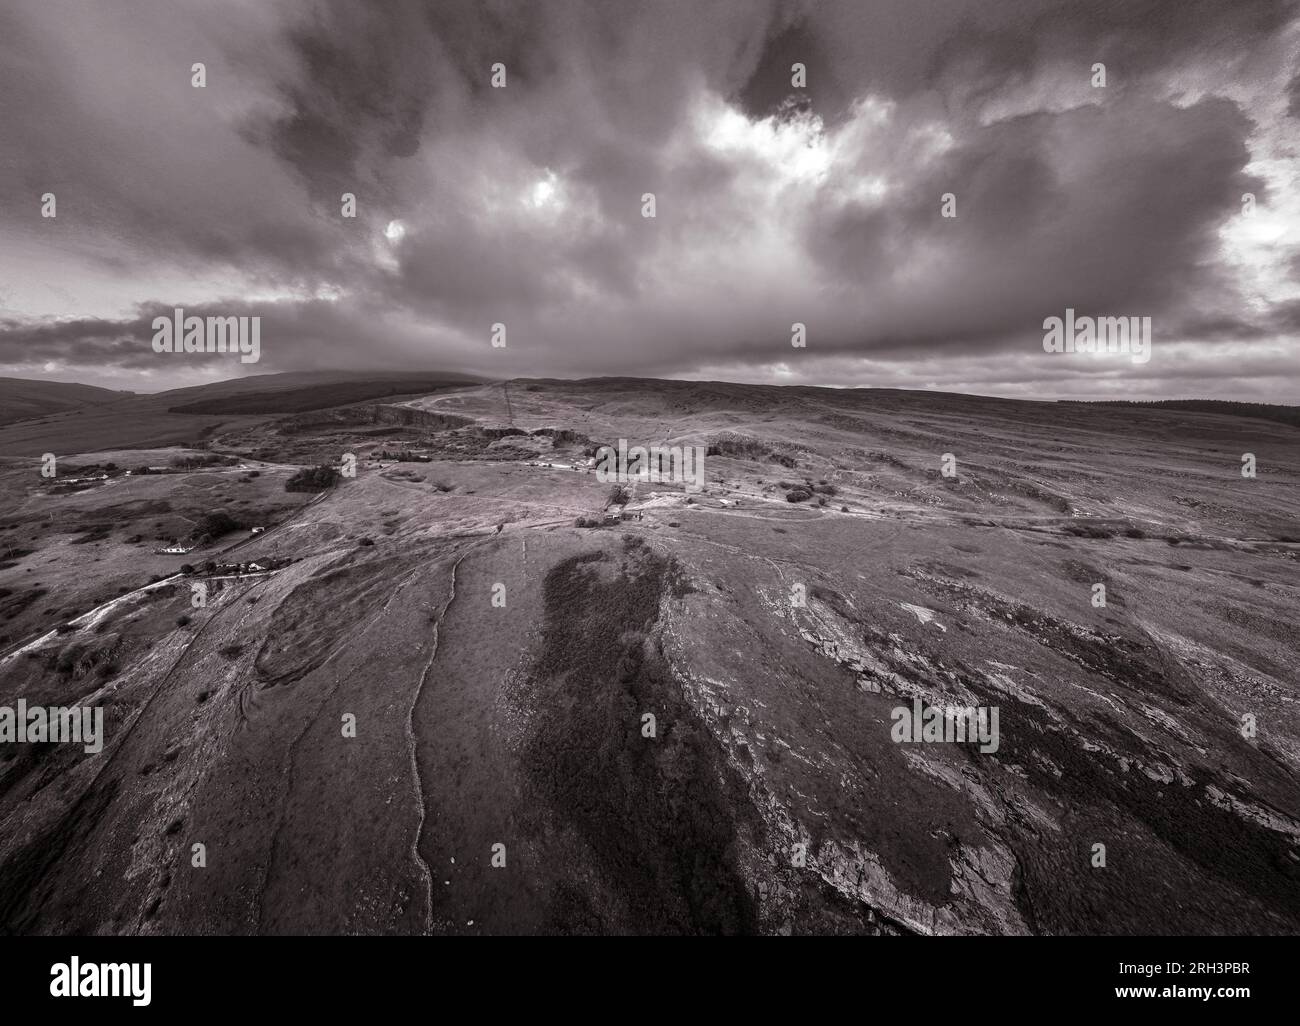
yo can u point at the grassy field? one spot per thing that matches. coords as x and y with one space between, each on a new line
771 797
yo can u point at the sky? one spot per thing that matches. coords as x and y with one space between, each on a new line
776 202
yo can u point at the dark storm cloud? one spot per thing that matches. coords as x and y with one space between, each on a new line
142 167
355 101
522 205
1135 38
966 48
1104 210
366 80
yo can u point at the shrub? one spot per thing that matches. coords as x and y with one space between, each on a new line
798 495
68 659
215 524
312 479
182 621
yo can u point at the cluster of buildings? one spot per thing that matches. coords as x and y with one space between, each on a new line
257 566
254 567
178 548
616 513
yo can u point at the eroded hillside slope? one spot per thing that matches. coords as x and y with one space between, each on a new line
427 702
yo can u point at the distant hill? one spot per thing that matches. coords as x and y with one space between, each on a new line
26 399
296 393
1260 411
185 416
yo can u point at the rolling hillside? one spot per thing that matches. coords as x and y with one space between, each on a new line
447 695
27 399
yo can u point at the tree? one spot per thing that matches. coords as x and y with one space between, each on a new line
312 479
215 524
